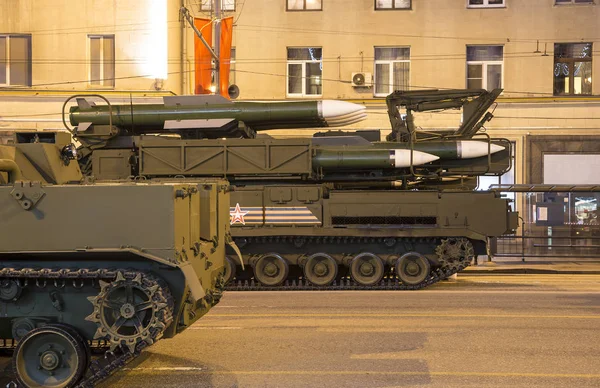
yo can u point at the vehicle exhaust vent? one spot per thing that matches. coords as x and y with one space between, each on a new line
342 220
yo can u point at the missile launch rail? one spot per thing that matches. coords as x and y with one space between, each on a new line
323 212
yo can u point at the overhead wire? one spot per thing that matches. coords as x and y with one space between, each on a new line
241 61
149 76
120 27
141 60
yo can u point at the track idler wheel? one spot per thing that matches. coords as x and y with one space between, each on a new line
230 270
320 269
52 356
454 253
271 270
367 269
412 268
129 311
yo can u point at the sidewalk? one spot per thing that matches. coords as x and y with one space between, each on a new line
507 265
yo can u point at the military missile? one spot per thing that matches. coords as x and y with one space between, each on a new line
445 149
365 158
449 149
196 112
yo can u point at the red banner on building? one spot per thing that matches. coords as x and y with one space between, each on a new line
202 57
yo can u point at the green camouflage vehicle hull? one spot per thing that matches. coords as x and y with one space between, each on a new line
285 232
115 266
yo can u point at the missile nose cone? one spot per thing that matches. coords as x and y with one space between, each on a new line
402 158
469 149
330 109
496 148
423 158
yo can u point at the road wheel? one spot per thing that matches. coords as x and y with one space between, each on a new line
367 269
51 356
412 268
271 269
230 270
320 269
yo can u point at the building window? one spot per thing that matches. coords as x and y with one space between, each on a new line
484 67
485 3
304 5
392 69
15 60
392 4
304 71
226 5
572 68
102 60
560 2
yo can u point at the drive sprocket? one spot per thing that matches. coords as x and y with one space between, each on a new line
131 310
455 253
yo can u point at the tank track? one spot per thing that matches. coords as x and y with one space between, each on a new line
391 283
110 362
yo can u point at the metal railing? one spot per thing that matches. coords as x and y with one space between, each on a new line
548 246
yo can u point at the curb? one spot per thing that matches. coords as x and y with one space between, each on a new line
531 271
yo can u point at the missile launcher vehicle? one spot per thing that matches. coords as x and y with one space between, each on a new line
336 211
113 265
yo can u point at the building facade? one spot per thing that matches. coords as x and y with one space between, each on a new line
543 53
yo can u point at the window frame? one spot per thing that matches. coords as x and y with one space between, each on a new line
287 8
101 62
391 63
486 4
571 65
484 67
392 8
572 2
209 4
29 82
302 62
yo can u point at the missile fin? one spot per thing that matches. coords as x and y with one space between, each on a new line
82 127
83 104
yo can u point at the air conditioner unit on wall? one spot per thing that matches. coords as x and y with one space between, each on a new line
362 80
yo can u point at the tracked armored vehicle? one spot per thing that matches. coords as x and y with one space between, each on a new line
111 265
332 211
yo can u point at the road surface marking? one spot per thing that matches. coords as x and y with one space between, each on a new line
408 315
360 329
167 369
202 371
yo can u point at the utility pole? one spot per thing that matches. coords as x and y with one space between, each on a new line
217 8
215 54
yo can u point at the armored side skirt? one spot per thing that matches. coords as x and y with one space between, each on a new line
171 231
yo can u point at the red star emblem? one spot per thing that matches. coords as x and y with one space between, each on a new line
237 215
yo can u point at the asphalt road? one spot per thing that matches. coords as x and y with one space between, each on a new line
478 331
